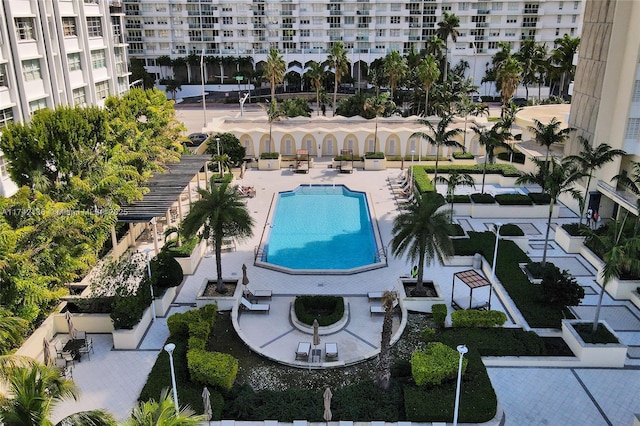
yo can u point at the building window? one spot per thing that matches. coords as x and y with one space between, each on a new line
574 18
31 69
94 26
25 29
73 59
69 26
636 92
79 96
559 20
633 128
560 5
496 5
98 59
3 76
227 33
395 19
227 20
6 117
37 105
102 90
3 168
576 5
512 19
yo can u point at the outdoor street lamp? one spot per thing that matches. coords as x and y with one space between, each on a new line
219 162
169 347
495 251
153 299
462 349
202 75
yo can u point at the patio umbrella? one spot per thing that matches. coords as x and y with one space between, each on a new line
206 402
245 280
72 330
47 351
327 405
316 334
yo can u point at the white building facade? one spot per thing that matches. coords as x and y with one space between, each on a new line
305 30
58 52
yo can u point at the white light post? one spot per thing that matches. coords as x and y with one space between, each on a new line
219 162
204 102
462 349
495 251
169 347
153 299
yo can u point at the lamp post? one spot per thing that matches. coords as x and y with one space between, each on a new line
495 251
153 299
204 102
413 151
169 347
219 162
462 349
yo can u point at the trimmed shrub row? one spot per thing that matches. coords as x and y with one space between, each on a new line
511 230
506 170
439 312
575 229
269 155
435 364
478 319
479 198
307 307
513 200
374 155
459 155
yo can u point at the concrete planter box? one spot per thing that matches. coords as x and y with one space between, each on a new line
532 280
459 261
465 162
189 264
421 304
460 209
271 164
522 242
496 211
635 299
618 289
568 243
130 339
377 164
225 303
591 354
91 323
164 303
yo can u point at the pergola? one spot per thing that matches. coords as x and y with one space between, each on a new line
165 190
303 162
473 280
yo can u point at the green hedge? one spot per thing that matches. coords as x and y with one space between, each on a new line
474 318
460 199
307 307
166 272
513 200
455 230
212 368
460 155
374 155
496 341
128 309
540 198
184 250
439 312
502 169
575 229
479 198
422 180
269 156
347 158
511 230
434 364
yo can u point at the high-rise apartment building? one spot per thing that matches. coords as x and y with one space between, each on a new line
58 52
605 107
305 30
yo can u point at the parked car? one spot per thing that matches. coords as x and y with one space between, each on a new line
196 139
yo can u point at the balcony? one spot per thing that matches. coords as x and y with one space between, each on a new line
335 12
533 11
286 26
362 38
363 25
482 24
363 12
286 13
335 38
483 11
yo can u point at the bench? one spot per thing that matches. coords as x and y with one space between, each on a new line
379 309
262 293
254 307
375 295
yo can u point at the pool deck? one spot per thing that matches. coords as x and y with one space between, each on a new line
570 396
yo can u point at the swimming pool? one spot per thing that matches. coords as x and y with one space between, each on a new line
321 228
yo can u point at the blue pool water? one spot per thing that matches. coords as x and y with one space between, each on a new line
321 228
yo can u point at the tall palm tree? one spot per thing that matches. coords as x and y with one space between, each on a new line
383 368
274 70
395 68
222 214
32 392
592 158
491 139
541 65
455 180
163 62
439 135
162 413
420 231
548 134
274 113
12 329
428 74
509 73
448 27
527 58
315 73
556 178
562 57
193 60
340 64
378 105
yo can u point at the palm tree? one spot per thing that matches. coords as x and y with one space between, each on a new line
163 61
562 57
548 134
274 113
491 139
439 136
32 392
173 86
378 105
556 178
421 232
383 368
508 73
223 214
541 65
527 58
455 180
338 61
395 68
12 329
315 73
274 70
428 73
590 159
448 27
193 60
162 413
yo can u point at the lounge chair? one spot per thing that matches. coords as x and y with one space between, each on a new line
303 351
88 347
331 351
254 307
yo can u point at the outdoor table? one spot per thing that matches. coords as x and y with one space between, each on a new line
74 346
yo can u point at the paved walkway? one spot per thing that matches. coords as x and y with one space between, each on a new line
113 379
